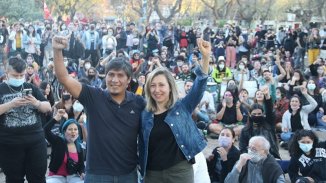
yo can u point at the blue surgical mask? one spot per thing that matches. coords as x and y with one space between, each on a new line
305 147
15 82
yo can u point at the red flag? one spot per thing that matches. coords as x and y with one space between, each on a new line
47 14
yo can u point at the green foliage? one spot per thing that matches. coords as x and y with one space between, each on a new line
185 22
17 9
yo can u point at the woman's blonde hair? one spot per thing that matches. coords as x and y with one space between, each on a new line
173 95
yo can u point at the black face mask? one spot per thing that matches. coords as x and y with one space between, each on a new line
257 120
91 76
66 97
48 28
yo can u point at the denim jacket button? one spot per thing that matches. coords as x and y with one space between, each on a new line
182 146
177 113
171 124
189 157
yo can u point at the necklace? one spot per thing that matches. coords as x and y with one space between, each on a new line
13 91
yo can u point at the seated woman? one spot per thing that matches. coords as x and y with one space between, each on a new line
229 114
296 117
307 160
261 122
223 157
67 162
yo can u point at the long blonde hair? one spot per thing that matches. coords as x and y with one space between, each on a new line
173 95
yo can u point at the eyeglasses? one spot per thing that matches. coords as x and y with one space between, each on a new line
253 149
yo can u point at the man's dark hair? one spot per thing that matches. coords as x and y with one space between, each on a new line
119 63
17 64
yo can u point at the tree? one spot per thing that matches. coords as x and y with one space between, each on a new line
17 9
137 7
172 11
69 7
220 8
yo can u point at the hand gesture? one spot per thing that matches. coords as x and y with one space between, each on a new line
265 90
32 100
222 153
238 105
321 110
59 42
205 47
304 91
18 102
243 159
224 103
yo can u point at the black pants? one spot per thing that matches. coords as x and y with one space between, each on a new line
18 161
94 56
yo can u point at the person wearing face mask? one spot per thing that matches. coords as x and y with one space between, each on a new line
221 72
296 117
83 68
256 166
229 114
109 43
241 73
313 90
261 122
223 157
67 160
21 133
91 41
93 78
307 157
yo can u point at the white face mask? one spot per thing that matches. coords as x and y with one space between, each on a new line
179 64
221 66
78 107
241 67
87 66
110 33
255 157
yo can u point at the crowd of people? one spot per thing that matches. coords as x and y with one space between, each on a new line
118 103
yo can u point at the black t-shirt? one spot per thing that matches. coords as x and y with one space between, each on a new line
163 150
296 122
230 114
23 124
3 36
112 131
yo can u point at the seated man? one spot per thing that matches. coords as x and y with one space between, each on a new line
205 110
257 165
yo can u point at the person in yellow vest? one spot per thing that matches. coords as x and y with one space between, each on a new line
221 72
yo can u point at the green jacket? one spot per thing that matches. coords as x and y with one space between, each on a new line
219 75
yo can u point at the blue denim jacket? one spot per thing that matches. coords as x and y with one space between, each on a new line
184 129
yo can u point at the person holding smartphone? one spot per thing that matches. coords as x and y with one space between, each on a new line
23 148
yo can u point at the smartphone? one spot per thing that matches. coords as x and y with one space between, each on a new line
26 92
